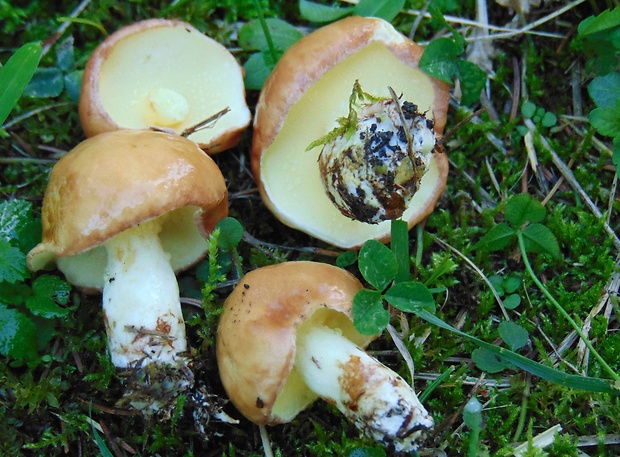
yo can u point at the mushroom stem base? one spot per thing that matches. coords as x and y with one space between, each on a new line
141 305
375 398
154 388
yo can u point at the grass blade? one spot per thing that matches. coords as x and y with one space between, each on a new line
15 76
400 248
105 452
535 368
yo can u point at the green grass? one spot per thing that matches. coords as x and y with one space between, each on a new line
58 389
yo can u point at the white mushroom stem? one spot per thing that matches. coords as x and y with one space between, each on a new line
141 304
375 398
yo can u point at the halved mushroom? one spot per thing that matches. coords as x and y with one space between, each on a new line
123 211
301 102
164 73
286 337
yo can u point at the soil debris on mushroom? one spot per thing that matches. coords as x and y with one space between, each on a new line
372 163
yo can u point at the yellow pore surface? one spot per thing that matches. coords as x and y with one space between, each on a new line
171 77
290 174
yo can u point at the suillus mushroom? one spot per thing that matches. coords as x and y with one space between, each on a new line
286 337
303 100
166 74
122 212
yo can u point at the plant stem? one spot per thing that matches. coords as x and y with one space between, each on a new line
400 248
263 24
561 310
523 414
419 245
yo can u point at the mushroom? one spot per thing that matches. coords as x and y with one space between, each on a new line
302 101
286 337
122 212
167 74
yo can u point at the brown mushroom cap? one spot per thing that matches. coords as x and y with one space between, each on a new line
116 180
300 102
169 54
257 332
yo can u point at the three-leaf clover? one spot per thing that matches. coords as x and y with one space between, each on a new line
50 81
379 267
524 215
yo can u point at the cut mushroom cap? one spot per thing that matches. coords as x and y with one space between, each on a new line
122 212
301 101
286 337
164 73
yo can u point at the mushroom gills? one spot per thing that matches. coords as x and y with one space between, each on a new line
376 399
141 305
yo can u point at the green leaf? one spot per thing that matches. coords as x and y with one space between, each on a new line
437 15
606 120
13 215
522 208
283 35
15 75
439 59
73 84
12 263
48 292
315 12
45 83
511 284
540 239
14 294
367 452
512 301
103 448
615 158
528 109
498 284
472 413
384 9
513 335
80 20
369 315
17 334
473 80
377 264
29 234
231 233
488 361
608 19
586 383
65 55
410 297
549 119
346 259
440 266
257 68
497 238
605 90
